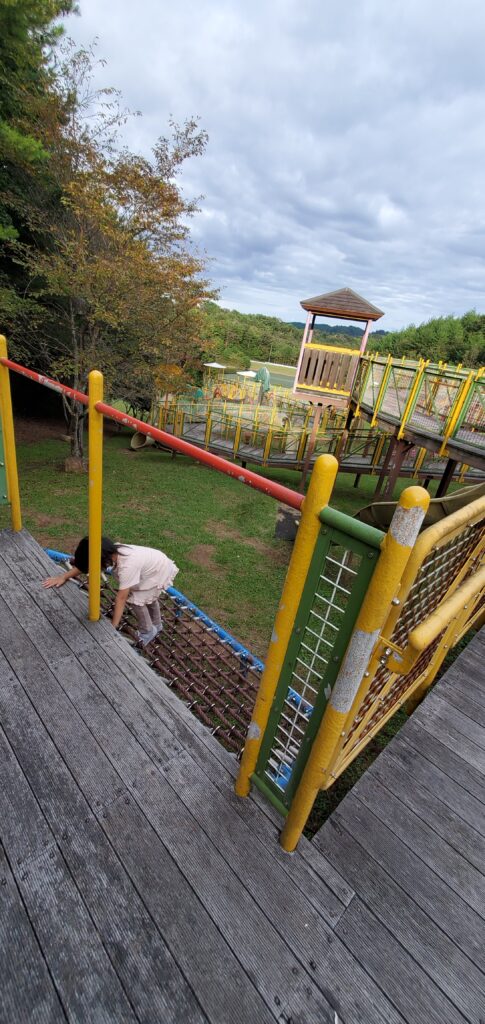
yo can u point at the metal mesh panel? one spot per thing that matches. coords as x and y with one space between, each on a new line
285 444
397 391
314 655
359 378
372 385
436 575
472 430
436 397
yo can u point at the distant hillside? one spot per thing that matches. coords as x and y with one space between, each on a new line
236 338
449 338
349 331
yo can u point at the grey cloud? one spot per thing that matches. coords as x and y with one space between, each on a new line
346 141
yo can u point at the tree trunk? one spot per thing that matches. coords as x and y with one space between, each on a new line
75 461
74 411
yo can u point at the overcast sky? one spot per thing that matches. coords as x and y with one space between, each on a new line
346 141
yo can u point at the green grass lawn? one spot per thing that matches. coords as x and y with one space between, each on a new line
220 533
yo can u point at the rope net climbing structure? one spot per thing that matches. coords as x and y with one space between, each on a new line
204 666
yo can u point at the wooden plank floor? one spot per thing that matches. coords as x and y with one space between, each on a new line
134 886
410 840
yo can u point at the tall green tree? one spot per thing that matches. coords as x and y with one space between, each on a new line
29 32
114 273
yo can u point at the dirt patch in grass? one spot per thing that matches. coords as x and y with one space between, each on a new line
203 555
67 544
41 519
224 532
133 505
29 431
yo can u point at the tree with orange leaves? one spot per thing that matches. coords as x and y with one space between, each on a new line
115 275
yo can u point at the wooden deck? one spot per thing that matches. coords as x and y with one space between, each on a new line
134 886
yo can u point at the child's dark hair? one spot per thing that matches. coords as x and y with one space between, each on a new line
81 554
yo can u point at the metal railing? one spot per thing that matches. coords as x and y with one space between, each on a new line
97 410
269 435
369 635
279 436
441 402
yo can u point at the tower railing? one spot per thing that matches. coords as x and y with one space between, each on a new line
442 402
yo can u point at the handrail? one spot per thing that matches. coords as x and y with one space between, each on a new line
274 490
46 382
424 634
352 527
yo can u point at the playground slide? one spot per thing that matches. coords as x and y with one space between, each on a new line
380 513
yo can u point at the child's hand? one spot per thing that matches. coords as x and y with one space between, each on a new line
54 581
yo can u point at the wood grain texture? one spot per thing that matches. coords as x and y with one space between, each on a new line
140 888
430 946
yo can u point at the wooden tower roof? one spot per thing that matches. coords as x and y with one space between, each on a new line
343 304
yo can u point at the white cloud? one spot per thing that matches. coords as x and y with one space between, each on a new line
346 141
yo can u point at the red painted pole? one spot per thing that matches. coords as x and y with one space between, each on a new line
259 483
47 382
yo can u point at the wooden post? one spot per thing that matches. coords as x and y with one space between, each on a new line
385 465
400 450
446 478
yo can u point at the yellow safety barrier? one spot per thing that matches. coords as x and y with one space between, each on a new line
443 558
95 499
456 411
396 549
9 440
382 390
413 393
319 492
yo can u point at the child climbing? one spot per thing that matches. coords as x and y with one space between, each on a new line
142 574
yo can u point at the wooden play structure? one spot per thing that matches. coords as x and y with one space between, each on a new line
139 888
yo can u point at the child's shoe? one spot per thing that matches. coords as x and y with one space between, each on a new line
146 638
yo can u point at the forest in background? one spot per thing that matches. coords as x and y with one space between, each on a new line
97 265
238 337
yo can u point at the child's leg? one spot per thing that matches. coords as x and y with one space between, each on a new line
143 618
154 612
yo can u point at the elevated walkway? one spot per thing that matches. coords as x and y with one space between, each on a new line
137 887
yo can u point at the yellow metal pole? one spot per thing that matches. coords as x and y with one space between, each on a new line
237 436
267 446
412 395
319 491
395 551
9 440
419 460
380 393
208 429
456 409
95 505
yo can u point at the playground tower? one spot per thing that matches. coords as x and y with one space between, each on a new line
324 373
